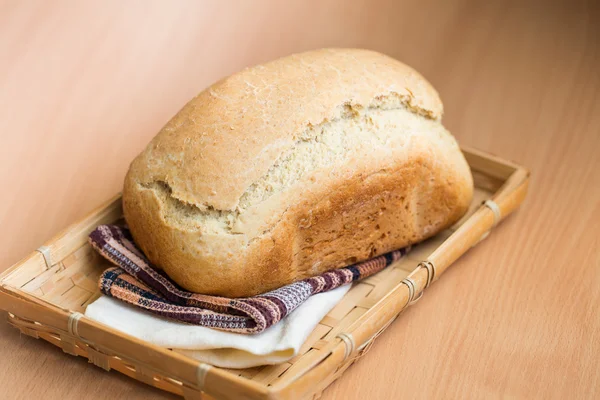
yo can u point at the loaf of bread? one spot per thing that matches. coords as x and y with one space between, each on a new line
285 170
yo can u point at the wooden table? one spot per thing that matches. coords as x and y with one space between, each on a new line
84 85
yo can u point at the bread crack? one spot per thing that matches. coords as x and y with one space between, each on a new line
386 123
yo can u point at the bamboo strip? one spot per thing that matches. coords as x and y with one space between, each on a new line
72 238
24 271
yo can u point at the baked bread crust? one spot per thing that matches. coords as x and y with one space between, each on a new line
291 168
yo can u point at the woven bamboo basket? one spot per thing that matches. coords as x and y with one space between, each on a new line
46 293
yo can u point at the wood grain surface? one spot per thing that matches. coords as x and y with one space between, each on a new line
84 85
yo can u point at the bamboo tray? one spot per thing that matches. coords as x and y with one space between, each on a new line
46 293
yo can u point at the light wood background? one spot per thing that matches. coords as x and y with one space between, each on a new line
84 85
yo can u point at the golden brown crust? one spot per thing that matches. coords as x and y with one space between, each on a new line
262 109
182 194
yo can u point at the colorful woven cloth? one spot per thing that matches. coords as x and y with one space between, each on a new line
136 282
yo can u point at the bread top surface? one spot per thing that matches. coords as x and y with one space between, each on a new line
231 134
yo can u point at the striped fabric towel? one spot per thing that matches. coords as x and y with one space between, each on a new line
135 281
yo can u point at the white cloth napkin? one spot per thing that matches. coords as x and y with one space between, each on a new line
275 345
